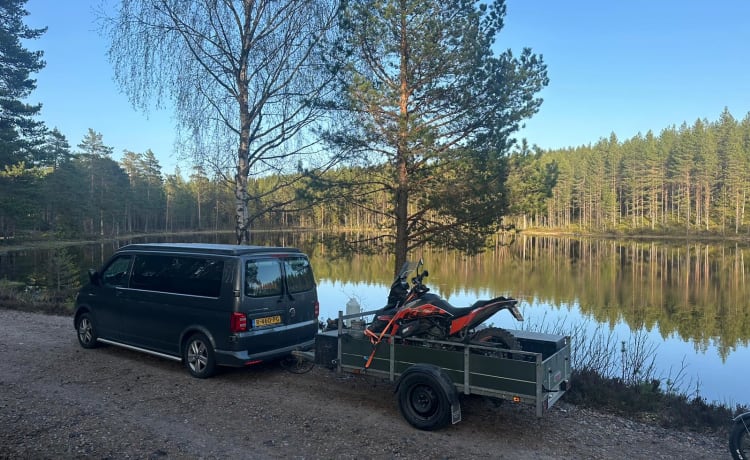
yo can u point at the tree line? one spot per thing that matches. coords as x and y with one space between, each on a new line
691 179
688 179
84 192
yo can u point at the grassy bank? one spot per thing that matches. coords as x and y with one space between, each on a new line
647 401
619 376
19 296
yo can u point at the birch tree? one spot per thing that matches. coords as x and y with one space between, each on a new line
244 78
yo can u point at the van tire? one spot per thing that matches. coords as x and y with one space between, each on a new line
87 336
199 357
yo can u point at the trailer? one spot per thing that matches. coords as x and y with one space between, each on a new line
430 375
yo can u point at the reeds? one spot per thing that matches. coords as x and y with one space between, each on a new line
619 375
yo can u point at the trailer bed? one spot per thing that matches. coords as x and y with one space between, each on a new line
539 375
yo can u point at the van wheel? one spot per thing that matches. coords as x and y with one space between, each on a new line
198 356
87 335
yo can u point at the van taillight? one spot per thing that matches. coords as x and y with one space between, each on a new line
238 323
317 309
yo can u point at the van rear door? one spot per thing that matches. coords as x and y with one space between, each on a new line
301 289
280 301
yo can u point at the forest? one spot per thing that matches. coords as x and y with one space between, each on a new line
687 180
691 179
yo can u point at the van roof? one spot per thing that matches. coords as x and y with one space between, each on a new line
205 248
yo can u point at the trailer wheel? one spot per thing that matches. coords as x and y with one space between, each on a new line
423 401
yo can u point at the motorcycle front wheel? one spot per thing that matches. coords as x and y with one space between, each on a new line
739 440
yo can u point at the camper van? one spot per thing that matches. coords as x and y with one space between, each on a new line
205 305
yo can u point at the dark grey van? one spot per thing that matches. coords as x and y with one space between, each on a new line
206 305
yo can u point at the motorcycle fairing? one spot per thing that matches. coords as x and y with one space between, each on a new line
480 311
390 323
464 318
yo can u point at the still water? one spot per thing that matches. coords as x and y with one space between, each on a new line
687 302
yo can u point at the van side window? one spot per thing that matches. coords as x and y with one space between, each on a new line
262 278
116 274
178 274
299 275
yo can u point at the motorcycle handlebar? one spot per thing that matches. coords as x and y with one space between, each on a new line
417 282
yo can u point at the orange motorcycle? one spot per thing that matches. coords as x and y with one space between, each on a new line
413 311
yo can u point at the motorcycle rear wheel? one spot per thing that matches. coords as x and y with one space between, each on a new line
496 337
739 440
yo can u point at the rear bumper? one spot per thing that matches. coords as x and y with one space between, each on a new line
244 357
267 343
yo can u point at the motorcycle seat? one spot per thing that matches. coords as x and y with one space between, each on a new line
460 311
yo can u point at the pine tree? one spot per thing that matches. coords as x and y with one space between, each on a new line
428 99
107 183
19 132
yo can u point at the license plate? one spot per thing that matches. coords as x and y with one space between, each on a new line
267 321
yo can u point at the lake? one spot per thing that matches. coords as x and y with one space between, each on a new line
685 303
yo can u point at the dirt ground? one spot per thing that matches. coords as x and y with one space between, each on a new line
58 400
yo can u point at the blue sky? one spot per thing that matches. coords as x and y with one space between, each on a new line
614 66
632 66
77 89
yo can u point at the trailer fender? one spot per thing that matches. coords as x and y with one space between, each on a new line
427 398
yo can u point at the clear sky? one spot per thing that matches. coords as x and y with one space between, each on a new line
632 66
614 66
77 88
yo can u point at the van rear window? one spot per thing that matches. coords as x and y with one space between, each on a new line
262 278
299 275
178 274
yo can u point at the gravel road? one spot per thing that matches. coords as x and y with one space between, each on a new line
58 400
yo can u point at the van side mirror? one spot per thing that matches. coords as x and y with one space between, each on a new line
94 277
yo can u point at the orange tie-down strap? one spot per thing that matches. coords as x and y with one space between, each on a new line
375 339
